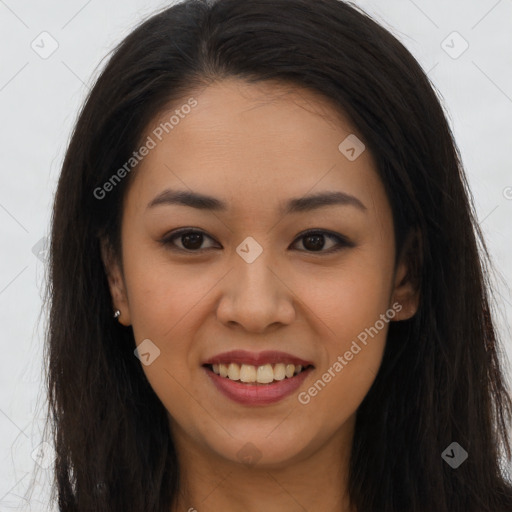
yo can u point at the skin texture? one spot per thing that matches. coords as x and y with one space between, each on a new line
255 146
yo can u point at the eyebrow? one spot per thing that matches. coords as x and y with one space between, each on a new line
297 205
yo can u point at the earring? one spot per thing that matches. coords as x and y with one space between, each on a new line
117 313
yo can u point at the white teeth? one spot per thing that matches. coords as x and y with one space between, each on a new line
263 374
247 373
234 371
279 371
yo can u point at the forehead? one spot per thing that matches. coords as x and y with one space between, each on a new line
236 114
253 142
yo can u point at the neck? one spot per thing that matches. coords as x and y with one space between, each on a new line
313 481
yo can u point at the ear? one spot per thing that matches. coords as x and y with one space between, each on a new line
407 285
116 282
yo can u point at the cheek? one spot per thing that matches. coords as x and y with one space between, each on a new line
352 350
350 298
165 300
161 295
164 303
351 306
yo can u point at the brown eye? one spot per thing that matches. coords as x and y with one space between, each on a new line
315 241
191 240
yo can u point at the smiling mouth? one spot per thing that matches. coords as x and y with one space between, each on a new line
250 374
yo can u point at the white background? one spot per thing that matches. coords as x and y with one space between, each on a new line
39 101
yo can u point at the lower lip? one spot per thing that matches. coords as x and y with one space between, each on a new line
257 394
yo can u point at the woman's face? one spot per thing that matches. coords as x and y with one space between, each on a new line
248 293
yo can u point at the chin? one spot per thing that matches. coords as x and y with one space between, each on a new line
261 450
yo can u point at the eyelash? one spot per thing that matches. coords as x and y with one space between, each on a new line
342 242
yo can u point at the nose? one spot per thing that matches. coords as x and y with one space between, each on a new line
255 296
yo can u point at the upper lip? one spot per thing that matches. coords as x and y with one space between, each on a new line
256 359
